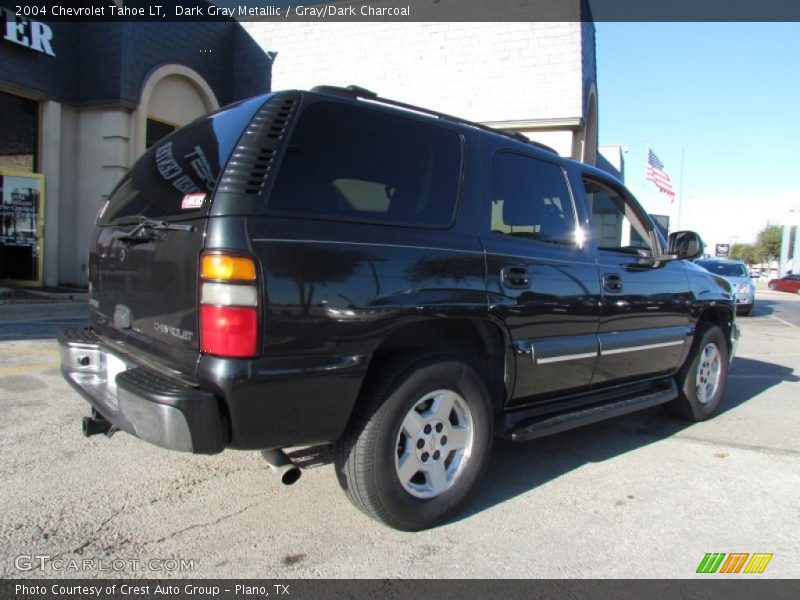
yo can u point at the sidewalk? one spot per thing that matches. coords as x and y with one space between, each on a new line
25 295
20 304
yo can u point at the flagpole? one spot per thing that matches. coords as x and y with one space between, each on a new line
646 161
680 194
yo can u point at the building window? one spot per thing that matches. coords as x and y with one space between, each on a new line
19 133
157 130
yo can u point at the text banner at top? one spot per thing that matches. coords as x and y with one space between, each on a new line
405 10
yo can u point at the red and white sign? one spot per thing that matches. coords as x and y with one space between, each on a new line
192 201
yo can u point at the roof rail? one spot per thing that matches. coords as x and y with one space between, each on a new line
354 91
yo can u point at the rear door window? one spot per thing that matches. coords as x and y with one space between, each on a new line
531 200
355 163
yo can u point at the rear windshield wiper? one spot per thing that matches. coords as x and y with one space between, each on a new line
137 234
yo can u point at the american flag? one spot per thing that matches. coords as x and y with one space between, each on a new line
656 173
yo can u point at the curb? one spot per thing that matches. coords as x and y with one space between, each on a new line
777 294
10 313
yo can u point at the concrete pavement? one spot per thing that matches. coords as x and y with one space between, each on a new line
639 496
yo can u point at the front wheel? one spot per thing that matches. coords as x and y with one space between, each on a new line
418 442
701 381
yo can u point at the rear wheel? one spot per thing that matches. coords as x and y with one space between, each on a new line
701 381
418 443
772 286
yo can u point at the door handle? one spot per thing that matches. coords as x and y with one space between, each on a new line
612 283
516 277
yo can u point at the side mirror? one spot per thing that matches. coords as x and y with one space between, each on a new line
685 244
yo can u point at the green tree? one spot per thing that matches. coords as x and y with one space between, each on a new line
746 252
768 242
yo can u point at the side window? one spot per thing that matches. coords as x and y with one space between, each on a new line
615 225
530 199
358 164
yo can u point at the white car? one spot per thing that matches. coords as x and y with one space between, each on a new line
735 272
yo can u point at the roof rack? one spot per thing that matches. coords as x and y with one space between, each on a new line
355 91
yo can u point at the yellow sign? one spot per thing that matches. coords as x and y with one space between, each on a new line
21 226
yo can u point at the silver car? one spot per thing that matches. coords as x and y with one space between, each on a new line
735 271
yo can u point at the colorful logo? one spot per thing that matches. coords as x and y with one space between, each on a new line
736 562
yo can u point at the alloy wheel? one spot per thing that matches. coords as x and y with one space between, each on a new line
709 369
434 443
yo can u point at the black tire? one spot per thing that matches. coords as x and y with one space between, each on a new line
772 286
365 455
748 311
689 405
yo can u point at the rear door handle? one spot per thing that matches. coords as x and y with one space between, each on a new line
612 283
516 277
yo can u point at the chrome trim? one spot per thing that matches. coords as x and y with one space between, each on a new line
637 348
565 357
413 247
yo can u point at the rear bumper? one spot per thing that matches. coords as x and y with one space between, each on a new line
159 409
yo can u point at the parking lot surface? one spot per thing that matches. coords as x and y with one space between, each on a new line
639 496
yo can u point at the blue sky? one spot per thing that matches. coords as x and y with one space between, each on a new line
728 95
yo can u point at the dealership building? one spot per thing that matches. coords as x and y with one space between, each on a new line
79 102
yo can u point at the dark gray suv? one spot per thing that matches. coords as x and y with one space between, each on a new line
331 267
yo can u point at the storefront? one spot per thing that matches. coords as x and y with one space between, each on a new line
79 102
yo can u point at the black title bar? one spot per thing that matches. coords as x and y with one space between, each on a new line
711 588
404 10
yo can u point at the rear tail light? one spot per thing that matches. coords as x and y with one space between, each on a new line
228 306
223 266
226 294
228 330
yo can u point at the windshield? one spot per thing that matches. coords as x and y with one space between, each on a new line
724 269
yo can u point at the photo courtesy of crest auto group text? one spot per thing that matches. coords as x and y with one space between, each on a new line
309 299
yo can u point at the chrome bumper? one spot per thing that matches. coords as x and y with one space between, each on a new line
139 400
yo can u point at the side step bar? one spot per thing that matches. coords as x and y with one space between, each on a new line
578 418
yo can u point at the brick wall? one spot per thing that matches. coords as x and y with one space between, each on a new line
30 71
588 59
481 71
107 63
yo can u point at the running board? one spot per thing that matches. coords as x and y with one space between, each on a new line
578 418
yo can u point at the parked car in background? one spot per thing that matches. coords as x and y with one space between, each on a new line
735 272
787 283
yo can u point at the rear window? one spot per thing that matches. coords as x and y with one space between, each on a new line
355 164
178 174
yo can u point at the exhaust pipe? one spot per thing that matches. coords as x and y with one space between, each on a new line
97 425
280 464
